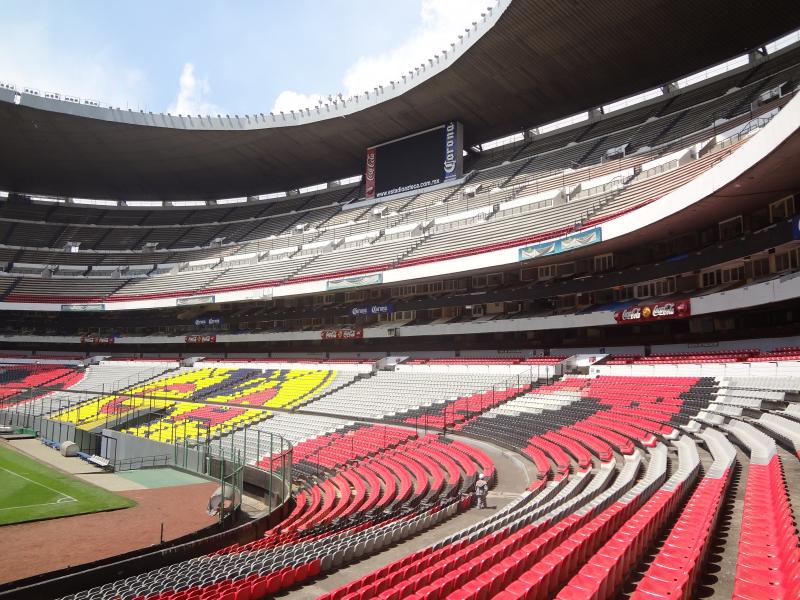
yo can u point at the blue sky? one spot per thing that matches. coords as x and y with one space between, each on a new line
230 57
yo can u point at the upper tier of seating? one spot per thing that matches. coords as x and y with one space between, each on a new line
555 184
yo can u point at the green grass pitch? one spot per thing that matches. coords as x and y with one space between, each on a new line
31 491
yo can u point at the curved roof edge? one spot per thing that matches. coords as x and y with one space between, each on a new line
338 107
529 62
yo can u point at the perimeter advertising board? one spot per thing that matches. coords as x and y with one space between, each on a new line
677 309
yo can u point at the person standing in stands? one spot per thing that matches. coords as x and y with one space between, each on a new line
481 489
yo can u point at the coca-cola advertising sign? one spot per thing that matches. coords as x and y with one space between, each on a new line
678 309
96 340
369 175
342 334
201 339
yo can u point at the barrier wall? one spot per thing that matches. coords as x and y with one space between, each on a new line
74 579
735 369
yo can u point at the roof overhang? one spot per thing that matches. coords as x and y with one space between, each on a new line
528 62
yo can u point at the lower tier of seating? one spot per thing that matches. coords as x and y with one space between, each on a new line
622 463
343 516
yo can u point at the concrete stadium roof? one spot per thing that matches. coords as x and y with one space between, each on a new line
526 63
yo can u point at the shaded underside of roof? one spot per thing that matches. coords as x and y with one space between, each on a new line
543 59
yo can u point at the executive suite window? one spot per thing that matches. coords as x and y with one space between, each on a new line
404 290
760 267
566 301
565 269
662 287
722 276
604 262
481 281
731 228
547 272
624 293
781 209
733 274
782 262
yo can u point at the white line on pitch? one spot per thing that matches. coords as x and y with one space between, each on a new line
42 504
39 484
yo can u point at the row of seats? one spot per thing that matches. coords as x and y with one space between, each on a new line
441 580
768 562
722 356
457 412
202 402
357 511
608 486
318 260
104 378
16 381
389 393
590 554
477 561
487 360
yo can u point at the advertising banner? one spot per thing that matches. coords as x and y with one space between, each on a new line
369 174
375 309
201 339
83 307
342 334
207 321
452 152
571 242
357 281
195 300
96 340
638 313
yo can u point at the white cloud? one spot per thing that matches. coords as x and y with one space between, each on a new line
441 22
32 59
193 95
289 100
